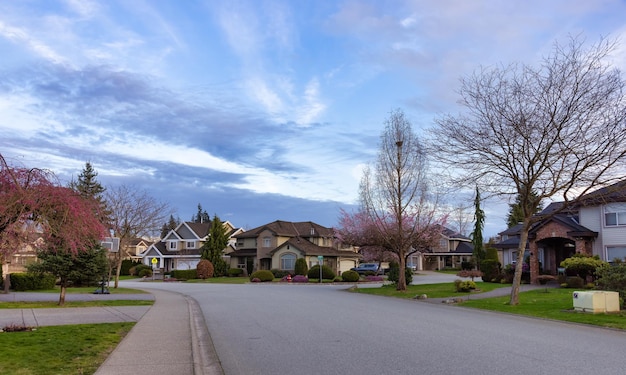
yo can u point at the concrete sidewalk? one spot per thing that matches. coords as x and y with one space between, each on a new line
170 337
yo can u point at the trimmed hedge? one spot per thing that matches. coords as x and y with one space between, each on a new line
327 272
235 272
350 276
301 268
262 275
31 281
184 274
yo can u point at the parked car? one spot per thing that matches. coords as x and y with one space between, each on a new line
367 267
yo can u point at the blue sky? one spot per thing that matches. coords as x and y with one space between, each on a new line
258 110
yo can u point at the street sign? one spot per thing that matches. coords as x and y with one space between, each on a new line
154 260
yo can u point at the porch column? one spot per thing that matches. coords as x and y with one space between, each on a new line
534 262
581 246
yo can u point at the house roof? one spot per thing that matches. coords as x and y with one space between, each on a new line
608 194
290 229
309 248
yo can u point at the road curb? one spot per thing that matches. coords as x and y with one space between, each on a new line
205 359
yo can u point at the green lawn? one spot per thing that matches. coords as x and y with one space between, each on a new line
550 303
431 290
54 304
68 349
90 289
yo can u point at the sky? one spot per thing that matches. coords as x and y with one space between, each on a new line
259 110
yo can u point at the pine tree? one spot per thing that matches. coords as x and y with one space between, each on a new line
90 188
169 226
516 212
201 216
213 248
477 234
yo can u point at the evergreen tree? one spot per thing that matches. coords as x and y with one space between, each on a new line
477 234
201 216
516 211
214 246
90 188
169 226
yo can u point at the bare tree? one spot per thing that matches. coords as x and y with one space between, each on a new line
134 213
557 130
395 196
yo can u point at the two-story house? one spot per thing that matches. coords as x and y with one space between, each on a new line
180 248
596 225
278 244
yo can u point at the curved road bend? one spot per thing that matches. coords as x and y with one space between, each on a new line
307 329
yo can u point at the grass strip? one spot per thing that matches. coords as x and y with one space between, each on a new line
54 304
441 290
68 349
549 303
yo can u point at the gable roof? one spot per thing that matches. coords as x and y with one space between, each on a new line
289 229
608 194
309 248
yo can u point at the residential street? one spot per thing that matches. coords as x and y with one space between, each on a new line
310 329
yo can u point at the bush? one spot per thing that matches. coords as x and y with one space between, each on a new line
582 265
467 265
300 279
32 281
127 264
374 278
327 272
613 278
301 267
279 274
145 272
470 273
235 272
134 271
575 282
204 269
394 274
350 276
490 269
184 274
464 286
262 275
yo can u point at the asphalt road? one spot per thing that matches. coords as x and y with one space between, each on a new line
307 329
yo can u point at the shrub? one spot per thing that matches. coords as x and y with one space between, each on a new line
300 279
467 265
394 274
464 286
374 278
613 278
235 272
582 265
134 271
204 269
471 274
279 274
350 276
576 282
32 281
544 279
256 280
327 272
145 272
301 267
490 269
184 274
127 264
262 275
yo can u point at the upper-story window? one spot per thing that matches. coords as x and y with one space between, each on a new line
615 214
191 244
172 245
267 242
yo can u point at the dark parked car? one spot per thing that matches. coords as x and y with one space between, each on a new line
367 267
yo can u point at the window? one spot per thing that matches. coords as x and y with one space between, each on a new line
615 214
615 252
267 242
191 244
172 245
287 261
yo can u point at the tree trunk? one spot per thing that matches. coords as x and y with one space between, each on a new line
118 267
517 279
401 272
63 290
